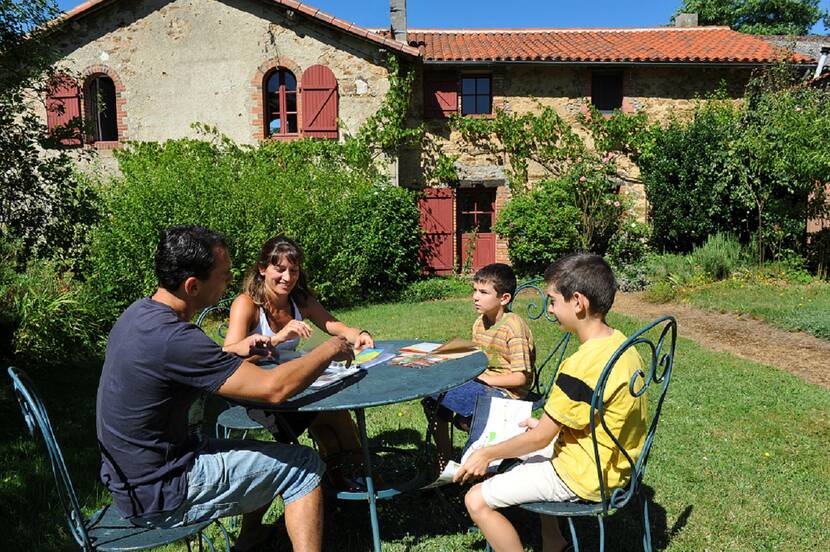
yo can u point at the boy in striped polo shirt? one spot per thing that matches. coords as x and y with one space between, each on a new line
508 343
580 289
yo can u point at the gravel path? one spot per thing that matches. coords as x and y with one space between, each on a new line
797 352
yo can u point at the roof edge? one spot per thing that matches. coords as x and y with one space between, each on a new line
309 11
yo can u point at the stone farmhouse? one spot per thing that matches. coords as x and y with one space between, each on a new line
281 70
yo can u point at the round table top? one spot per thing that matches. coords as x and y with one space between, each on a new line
384 384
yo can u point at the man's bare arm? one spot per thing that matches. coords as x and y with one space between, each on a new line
279 384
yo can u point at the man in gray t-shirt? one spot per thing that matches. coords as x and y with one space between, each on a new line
157 363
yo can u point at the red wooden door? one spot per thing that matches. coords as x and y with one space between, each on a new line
437 232
476 216
319 88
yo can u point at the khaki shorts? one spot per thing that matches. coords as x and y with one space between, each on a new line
533 480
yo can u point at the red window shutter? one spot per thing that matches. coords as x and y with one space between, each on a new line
440 95
437 229
319 98
63 108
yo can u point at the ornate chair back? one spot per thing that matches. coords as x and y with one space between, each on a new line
658 357
547 360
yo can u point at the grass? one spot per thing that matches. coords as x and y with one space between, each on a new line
740 459
791 306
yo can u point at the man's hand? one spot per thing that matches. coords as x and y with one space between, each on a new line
341 350
475 466
294 328
255 344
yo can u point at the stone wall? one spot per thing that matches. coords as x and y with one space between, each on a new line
661 91
186 61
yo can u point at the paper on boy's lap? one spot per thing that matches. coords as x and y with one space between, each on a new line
495 420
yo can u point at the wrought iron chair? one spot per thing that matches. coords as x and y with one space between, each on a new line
232 418
652 383
105 529
537 309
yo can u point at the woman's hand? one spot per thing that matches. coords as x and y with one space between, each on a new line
295 328
364 340
475 466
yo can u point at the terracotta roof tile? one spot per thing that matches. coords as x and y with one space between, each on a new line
668 44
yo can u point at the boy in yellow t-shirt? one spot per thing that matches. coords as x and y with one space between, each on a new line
508 343
581 290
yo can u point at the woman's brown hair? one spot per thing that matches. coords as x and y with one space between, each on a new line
272 252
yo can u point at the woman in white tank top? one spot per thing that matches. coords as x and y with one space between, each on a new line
275 301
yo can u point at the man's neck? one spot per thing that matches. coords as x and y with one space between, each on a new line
183 309
593 328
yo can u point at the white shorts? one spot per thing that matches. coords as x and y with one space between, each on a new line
533 480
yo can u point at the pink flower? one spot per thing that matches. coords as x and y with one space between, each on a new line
582 179
616 204
608 202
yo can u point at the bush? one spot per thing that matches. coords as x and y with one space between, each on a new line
630 243
51 316
719 257
360 237
432 289
690 183
541 225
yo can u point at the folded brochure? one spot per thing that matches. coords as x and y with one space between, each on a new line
426 354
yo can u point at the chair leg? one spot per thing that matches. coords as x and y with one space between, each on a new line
646 525
203 537
601 533
225 533
574 539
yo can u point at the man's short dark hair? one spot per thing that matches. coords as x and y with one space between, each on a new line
498 274
588 274
183 251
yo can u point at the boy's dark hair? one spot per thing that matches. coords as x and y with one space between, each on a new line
588 274
183 251
498 274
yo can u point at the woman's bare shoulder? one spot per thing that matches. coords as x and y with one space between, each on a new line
244 304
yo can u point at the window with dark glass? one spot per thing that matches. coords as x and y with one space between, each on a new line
102 117
606 91
476 98
476 207
280 103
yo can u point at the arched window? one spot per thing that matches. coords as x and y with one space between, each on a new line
280 103
99 91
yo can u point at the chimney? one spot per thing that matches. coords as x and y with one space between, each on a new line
685 20
822 61
397 16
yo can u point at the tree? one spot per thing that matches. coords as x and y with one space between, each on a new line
774 17
43 205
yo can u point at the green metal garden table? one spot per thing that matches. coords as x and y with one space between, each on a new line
381 385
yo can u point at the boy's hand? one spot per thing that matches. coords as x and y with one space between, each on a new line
475 467
529 423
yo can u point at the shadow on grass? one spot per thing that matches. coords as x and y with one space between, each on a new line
32 519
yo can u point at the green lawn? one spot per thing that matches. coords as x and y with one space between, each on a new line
786 305
740 459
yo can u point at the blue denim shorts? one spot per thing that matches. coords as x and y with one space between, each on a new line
231 477
462 399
